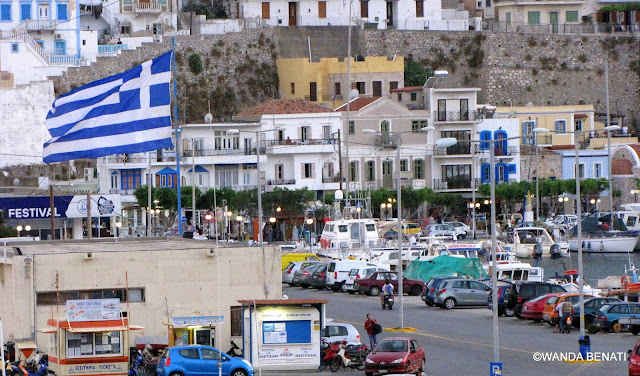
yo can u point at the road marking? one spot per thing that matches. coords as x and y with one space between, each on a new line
455 340
579 370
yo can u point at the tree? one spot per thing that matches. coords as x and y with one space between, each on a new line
415 74
6 231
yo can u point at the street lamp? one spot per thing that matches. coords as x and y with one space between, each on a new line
19 228
535 141
208 218
239 218
563 201
398 136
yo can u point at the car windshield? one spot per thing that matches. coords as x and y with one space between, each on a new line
353 272
392 346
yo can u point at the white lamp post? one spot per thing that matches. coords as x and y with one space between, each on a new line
609 129
19 228
535 139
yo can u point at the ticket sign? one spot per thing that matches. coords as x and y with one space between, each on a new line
93 310
96 369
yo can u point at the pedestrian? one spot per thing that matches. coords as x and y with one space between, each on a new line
369 327
564 309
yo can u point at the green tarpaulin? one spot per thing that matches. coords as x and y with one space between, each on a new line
445 266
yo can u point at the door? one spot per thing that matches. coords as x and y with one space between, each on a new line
322 9
203 336
43 11
266 11
387 174
313 89
247 146
211 361
460 291
478 293
60 47
191 361
553 20
293 14
389 14
377 88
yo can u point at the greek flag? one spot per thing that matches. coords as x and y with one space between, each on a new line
126 113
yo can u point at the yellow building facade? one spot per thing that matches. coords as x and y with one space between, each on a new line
326 81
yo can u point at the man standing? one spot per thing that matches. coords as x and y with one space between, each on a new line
368 326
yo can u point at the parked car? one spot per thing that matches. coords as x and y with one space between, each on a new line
428 295
338 273
534 308
395 355
372 284
443 230
610 314
459 292
360 273
503 309
289 271
198 359
302 277
337 332
460 226
522 291
319 278
549 314
634 360
591 308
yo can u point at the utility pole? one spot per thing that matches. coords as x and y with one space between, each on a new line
89 234
52 215
340 160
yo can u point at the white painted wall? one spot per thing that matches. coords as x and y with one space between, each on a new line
22 113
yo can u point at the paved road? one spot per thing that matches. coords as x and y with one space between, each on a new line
459 342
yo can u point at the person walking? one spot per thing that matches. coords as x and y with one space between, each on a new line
565 309
369 326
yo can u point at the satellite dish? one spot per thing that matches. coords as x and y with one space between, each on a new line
339 195
512 114
208 118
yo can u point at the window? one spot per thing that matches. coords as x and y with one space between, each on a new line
442 109
403 165
533 18
336 330
227 175
25 12
361 87
114 180
417 125
418 169
364 8
209 354
399 97
508 18
352 127
578 124
92 344
305 133
49 298
501 172
15 47
223 142
371 171
308 170
419 8
130 179
62 12
279 171
460 147
353 171
572 16
488 3
414 96
393 85
293 88
236 321
326 132
464 109
597 170
43 11
322 9
580 170
527 131
5 12
561 126
337 89
189 353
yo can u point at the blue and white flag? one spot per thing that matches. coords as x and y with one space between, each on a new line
129 112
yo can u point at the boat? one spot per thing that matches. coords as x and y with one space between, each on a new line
356 233
569 281
516 271
525 240
595 240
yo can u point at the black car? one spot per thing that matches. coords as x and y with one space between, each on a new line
521 291
503 286
318 278
302 277
428 295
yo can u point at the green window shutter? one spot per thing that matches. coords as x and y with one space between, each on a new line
534 18
572 16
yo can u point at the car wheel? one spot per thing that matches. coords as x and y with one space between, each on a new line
588 320
422 367
416 290
238 372
518 315
351 292
343 287
449 303
462 236
335 288
616 328
509 312
304 286
368 374
428 302
551 322
374 290
537 320
635 329
175 374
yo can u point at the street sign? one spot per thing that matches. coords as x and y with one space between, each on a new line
495 369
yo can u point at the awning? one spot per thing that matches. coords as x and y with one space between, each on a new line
580 116
199 169
26 345
167 170
52 329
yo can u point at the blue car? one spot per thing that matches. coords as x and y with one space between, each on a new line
197 360
609 315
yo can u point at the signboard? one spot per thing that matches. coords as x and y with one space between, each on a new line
198 320
64 206
93 310
495 369
298 355
97 369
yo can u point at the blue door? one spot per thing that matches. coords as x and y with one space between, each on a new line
25 12
60 47
211 360
62 12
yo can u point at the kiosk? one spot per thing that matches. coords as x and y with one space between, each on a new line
283 334
197 330
92 341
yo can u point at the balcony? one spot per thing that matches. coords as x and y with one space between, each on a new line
334 179
322 141
124 192
453 116
217 152
387 140
149 7
281 182
39 25
457 149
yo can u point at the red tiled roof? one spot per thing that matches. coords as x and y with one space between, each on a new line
636 148
408 88
358 103
282 107
283 301
621 167
562 147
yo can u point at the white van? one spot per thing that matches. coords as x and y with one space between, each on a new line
338 272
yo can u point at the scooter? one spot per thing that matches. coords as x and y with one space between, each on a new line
353 357
30 369
327 353
387 302
567 324
232 351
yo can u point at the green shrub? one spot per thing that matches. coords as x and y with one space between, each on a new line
195 64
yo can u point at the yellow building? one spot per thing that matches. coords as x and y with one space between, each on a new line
325 82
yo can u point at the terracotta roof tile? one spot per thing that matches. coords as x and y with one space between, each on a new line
408 88
621 167
358 103
636 148
282 107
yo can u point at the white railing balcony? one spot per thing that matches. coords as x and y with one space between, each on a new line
149 7
110 49
39 24
64 60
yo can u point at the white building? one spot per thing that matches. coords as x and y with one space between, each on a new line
380 14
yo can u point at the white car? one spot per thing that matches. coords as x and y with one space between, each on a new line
336 331
460 226
444 230
359 273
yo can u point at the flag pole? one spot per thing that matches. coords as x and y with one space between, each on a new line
175 118
149 196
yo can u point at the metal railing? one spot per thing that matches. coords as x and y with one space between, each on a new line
281 181
124 158
121 191
457 115
387 140
565 28
215 152
151 7
322 141
111 49
334 179
463 148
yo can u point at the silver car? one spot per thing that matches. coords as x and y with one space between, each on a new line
293 267
464 292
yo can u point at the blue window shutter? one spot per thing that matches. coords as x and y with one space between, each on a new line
62 12
25 12
485 135
5 12
512 168
483 172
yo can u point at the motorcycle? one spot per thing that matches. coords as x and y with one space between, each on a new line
387 302
232 351
349 356
567 324
30 368
327 353
141 367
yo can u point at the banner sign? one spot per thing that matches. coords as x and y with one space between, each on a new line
198 320
64 206
298 355
97 369
93 310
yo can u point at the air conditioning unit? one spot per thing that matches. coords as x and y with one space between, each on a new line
88 256
58 36
210 252
88 174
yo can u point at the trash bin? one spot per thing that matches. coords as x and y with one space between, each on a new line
585 346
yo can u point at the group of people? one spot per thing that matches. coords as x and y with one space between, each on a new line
370 324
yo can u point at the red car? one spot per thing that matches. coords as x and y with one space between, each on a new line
372 284
634 360
533 309
395 355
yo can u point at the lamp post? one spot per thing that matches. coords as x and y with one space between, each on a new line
309 223
19 228
272 220
563 201
118 225
208 218
228 224
398 136
535 139
610 128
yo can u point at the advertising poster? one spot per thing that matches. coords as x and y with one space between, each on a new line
93 310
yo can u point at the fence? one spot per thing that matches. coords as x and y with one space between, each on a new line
565 28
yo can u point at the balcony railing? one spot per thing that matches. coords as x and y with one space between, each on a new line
215 152
334 179
149 7
387 140
457 115
281 182
121 191
458 149
110 49
125 158
39 25
322 141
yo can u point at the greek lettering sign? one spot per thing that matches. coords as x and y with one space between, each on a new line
198 320
298 355
96 369
93 309
63 206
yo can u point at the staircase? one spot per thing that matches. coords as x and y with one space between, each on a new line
21 33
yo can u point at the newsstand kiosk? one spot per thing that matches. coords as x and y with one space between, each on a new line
92 341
